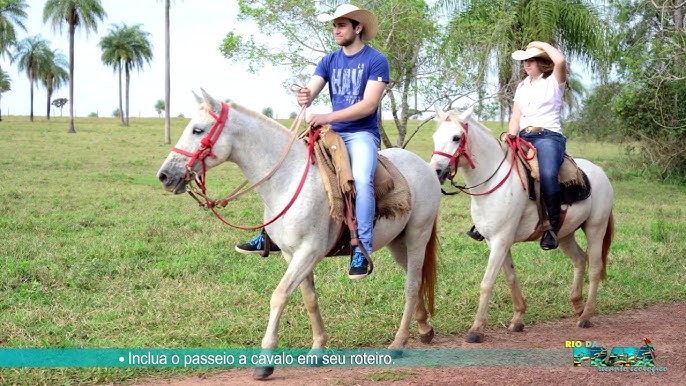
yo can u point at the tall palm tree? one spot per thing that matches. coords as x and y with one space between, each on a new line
5 85
12 13
126 48
31 56
114 48
53 75
73 13
489 31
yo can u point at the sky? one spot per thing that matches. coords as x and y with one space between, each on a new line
197 29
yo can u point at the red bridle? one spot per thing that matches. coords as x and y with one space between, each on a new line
206 144
205 151
462 150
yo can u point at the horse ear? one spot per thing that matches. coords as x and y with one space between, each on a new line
197 98
440 114
466 114
213 103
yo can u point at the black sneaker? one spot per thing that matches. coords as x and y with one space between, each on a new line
473 233
358 266
256 246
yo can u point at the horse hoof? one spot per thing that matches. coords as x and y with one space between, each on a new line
516 327
314 358
262 373
584 324
428 337
474 337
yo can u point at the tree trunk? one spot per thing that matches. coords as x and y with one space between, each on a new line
47 115
31 93
72 30
678 15
121 105
128 81
167 85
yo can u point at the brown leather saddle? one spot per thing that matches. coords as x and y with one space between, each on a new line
392 192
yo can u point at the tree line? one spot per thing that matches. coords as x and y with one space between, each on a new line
457 53
444 53
125 48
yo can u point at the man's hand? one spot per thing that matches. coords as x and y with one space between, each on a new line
304 96
319 120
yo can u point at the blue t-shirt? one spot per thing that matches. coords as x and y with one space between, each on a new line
347 77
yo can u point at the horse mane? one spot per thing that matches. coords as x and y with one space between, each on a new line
256 115
467 117
236 106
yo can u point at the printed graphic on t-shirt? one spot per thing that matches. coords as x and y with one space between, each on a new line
346 83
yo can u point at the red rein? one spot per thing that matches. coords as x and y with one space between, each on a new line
463 150
205 151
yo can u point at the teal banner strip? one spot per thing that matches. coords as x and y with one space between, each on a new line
241 358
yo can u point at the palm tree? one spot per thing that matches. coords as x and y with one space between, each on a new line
5 85
126 48
12 12
32 54
490 31
114 48
73 13
53 75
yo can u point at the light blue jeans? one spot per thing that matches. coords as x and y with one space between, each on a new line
362 149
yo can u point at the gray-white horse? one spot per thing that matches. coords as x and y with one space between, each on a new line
504 214
306 232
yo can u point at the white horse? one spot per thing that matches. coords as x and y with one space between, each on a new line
306 231
504 214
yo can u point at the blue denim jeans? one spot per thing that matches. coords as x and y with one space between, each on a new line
550 147
362 149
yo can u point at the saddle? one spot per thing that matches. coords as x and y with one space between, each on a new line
574 185
393 197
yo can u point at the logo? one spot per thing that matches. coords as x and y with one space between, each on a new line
589 353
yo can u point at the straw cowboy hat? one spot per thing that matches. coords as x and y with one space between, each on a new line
531 52
368 20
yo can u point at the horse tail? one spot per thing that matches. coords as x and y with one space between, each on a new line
607 240
428 287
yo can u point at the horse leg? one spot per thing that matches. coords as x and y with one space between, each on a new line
518 302
299 268
319 335
413 303
495 261
571 248
426 332
595 270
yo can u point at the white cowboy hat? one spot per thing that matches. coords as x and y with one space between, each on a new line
531 52
368 20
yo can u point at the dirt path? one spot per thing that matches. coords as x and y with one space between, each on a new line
664 324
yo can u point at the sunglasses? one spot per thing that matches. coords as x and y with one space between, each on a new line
529 60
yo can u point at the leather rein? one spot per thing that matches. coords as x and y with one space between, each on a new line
463 150
196 182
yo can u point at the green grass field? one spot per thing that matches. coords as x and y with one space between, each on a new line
95 254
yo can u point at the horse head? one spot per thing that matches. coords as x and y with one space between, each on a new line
450 143
200 147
